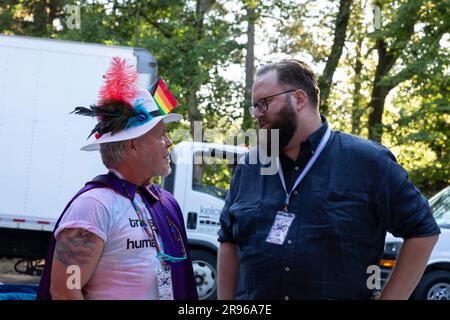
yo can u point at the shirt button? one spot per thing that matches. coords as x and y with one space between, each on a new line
295 192
289 241
296 168
287 269
286 298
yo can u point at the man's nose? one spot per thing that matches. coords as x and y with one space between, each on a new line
168 142
258 114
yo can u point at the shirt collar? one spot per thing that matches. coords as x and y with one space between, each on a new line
116 173
315 138
128 189
152 191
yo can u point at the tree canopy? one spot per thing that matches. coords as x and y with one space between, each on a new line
382 65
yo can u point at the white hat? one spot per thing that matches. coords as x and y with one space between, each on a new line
124 111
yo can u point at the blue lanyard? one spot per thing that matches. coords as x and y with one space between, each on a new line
308 166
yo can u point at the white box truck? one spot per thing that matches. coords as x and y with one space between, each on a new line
42 167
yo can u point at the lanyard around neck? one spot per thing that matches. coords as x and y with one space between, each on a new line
308 166
151 232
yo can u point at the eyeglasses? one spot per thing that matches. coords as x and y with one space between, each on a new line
262 105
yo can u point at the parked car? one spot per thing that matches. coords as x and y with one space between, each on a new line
435 283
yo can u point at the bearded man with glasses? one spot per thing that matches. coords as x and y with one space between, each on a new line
313 229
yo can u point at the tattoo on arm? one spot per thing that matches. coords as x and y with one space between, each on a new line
75 246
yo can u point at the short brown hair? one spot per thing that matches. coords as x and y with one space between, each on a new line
297 73
112 153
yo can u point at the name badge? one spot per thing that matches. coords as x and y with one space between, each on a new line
280 227
164 279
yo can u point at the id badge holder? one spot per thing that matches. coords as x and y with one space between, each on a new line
164 281
280 227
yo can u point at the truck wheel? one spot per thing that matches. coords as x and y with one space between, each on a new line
434 285
204 264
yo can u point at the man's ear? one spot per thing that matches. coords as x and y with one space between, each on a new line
301 99
130 146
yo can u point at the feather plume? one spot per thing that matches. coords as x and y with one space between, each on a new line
113 116
120 82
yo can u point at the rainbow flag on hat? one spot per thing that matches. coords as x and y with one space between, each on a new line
162 96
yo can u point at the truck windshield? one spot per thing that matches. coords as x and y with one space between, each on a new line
440 205
212 174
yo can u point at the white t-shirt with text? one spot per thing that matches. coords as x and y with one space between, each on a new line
126 269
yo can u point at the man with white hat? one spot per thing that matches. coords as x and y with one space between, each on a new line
121 237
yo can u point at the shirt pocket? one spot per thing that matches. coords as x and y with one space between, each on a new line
243 223
350 214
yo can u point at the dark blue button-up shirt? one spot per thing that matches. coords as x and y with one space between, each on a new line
351 197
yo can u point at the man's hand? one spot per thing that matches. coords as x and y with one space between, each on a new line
410 266
74 247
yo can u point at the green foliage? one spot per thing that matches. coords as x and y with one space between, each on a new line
420 125
191 40
196 41
421 130
190 58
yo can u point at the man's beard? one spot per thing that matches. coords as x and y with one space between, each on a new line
286 124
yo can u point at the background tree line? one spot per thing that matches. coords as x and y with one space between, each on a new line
382 65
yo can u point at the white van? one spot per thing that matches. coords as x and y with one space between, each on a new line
435 283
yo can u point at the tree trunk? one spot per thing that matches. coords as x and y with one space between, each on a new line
340 30
40 19
359 32
356 105
379 95
200 14
53 8
386 61
136 25
249 66
193 112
